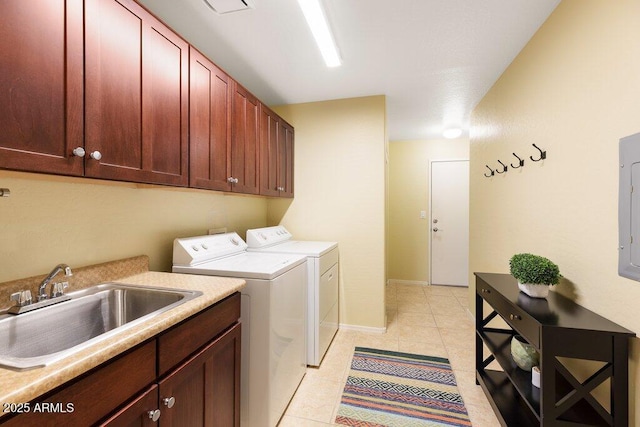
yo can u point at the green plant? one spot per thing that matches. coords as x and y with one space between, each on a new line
529 268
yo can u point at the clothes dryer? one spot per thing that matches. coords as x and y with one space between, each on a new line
273 317
322 292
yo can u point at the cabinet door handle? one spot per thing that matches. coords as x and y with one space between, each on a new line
79 152
96 155
154 415
514 317
169 402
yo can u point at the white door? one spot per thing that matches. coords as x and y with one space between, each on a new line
449 222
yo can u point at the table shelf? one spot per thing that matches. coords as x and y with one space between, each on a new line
559 329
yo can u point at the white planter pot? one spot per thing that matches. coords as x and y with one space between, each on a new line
534 290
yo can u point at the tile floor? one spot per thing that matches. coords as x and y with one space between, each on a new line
430 320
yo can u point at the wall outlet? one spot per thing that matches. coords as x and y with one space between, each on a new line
423 214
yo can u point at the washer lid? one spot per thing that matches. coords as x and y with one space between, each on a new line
247 265
313 249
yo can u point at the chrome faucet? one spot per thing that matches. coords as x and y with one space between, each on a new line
42 291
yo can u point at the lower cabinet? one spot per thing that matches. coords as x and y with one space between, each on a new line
186 376
203 391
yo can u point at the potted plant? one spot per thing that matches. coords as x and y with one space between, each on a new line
534 273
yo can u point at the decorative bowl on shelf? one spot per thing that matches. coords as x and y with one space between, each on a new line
524 354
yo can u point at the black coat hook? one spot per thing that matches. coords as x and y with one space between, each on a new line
504 167
490 170
520 162
543 154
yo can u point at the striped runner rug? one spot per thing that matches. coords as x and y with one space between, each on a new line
387 388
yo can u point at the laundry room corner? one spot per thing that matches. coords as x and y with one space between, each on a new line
341 143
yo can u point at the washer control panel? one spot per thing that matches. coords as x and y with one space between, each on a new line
191 251
263 237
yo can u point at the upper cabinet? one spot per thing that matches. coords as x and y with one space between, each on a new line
136 95
276 154
209 125
102 88
223 126
245 154
41 86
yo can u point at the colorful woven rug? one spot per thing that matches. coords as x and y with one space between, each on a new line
387 388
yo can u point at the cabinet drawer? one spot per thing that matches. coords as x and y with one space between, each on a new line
518 319
96 394
187 337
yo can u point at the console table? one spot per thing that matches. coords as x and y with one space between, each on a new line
560 330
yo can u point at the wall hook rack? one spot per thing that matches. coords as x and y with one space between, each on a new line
4 192
543 154
520 162
504 167
490 170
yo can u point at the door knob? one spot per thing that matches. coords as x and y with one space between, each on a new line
78 152
435 221
96 155
435 229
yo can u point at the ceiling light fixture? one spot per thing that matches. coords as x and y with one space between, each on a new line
317 21
452 133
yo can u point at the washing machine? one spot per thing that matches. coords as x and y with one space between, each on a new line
322 293
273 316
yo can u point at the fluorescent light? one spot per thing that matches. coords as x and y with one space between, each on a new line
452 133
317 21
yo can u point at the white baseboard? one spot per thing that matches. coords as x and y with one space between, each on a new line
358 328
406 282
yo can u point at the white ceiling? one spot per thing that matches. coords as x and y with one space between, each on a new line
433 59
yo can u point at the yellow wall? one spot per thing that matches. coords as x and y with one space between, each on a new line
408 241
574 91
49 219
340 195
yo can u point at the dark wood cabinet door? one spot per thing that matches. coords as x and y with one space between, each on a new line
138 413
41 86
209 124
285 159
206 388
269 127
94 396
244 141
136 95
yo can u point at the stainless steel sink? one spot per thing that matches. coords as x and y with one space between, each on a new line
43 336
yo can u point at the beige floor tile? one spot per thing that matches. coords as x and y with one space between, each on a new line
453 322
413 307
410 288
416 319
424 348
438 290
462 338
289 421
315 399
464 301
427 320
471 393
379 341
459 291
449 309
423 334
462 359
482 416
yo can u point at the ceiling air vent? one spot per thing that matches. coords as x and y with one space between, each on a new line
227 6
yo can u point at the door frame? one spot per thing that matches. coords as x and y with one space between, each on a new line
431 162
